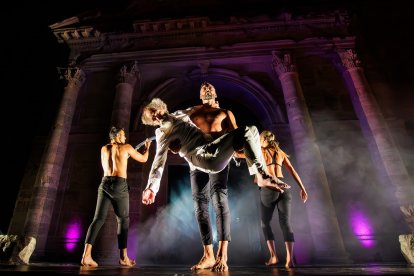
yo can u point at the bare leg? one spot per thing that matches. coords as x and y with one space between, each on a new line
208 260
221 258
289 255
272 250
87 256
124 259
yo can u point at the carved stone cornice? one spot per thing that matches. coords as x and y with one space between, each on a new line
129 74
202 32
348 59
282 63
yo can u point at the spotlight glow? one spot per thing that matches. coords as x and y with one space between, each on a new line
361 226
72 235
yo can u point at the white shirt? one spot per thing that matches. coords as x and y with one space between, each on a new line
177 125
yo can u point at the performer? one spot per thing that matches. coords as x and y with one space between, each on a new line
213 120
200 150
275 159
114 190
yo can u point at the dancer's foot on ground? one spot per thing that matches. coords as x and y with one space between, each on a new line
204 263
272 261
127 262
220 265
89 262
289 264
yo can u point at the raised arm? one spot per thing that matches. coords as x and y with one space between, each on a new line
136 155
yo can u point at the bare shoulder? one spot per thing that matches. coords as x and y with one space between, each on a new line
192 109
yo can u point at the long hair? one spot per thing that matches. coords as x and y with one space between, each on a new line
270 138
155 104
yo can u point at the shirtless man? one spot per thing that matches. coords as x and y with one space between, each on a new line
114 190
215 121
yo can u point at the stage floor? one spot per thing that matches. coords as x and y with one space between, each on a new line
73 269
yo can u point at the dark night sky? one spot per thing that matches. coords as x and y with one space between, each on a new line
30 54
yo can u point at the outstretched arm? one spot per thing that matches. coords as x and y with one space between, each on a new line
157 168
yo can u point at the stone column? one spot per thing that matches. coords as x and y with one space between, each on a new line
391 168
121 111
326 234
43 198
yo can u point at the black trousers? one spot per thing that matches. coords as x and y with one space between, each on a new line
112 191
211 185
269 200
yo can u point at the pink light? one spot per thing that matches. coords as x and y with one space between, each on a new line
72 235
361 226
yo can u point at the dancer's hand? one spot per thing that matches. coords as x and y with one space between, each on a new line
148 197
303 195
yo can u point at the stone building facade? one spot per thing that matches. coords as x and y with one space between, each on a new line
297 75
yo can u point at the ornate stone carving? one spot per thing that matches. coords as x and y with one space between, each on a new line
282 63
75 77
129 75
349 59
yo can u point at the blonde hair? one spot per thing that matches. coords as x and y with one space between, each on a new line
155 104
270 138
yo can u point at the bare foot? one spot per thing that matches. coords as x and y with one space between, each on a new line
266 181
271 261
88 261
127 262
220 265
280 183
289 264
204 263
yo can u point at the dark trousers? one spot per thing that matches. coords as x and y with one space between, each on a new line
211 185
269 200
112 191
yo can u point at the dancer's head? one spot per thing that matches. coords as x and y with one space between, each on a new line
268 139
207 92
117 135
154 112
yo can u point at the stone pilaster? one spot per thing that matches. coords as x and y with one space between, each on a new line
385 154
121 111
326 234
43 198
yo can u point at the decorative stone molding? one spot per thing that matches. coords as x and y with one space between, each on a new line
77 34
201 31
